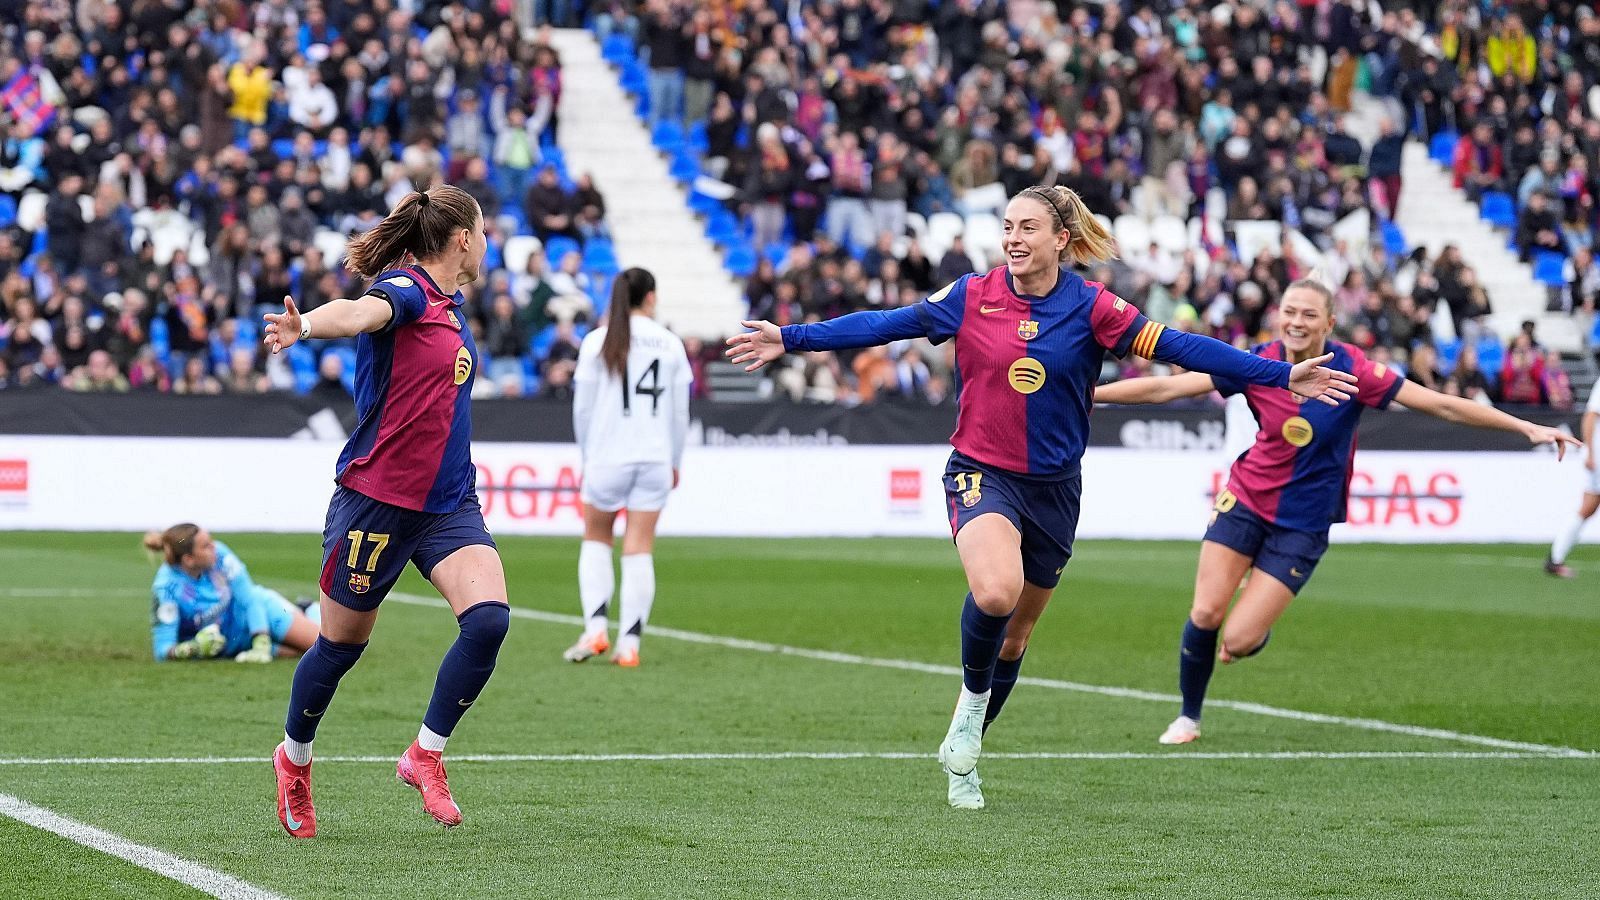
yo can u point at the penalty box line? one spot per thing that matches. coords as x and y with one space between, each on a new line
176 868
1259 709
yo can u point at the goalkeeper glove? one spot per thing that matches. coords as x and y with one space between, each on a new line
260 650
206 644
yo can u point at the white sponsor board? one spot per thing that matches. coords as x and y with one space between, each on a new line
284 485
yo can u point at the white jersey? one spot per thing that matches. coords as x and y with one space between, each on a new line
640 416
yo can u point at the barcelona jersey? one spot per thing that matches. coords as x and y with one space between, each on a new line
411 446
1297 473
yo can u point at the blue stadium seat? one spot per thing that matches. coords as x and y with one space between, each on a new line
1491 356
283 148
1394 240
539 346
600 293
775 253
160 339
1449 352
684 168
248 333
1547 268
554 157
1442 149
559 246
41 241
741 260
8 211
600 257
668 136
304 381
703 204
617 49
1498 209
723 229
698 138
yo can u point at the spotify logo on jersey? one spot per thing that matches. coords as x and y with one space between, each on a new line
1297 431
1026 375
463 366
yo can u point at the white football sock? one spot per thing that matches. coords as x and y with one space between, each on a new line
971 699
428 740
1565 541
638 594
596 583
298 753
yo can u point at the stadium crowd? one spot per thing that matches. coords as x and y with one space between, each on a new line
841 127
169 170
845 122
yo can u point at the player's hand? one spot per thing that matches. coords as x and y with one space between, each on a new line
1543 434
283 329
1314 381
260 651
674 479
206 644
758 347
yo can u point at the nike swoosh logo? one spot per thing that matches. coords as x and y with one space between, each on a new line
437 302
312 715
288 814
1295 572
465 703
986 310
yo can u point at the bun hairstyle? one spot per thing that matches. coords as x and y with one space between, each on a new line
1088 241
420 225
171 545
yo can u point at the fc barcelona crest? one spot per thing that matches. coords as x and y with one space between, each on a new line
969 499
1028 329
454 322
360 584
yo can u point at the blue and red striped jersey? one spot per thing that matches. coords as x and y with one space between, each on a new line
412 443
1297 473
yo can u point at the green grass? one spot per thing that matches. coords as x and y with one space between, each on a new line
1469 639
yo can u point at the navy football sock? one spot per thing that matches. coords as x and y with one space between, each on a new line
1196 658
468 665
316 677
1005 678
981 637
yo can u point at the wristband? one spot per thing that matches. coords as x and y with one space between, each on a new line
305 327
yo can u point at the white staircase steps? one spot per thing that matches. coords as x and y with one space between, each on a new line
651 223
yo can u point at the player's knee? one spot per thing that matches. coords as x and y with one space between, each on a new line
486 624
995 595
1244 642
1207 617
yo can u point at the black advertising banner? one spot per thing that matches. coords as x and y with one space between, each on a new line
55 412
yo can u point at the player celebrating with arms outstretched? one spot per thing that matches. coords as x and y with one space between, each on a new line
406 484
1283 493
1030 337
630 411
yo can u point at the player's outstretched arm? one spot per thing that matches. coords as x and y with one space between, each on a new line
868 328
1155 389
339 319
1309 379
1466 412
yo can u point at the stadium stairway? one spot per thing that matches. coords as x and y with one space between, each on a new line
1433 213
651 223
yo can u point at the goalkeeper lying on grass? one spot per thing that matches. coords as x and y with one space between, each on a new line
204 604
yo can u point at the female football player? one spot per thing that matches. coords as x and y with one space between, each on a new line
205 605
405 484
1556 564
630 411
1283 493
1030 337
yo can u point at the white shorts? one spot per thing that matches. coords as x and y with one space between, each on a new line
638 486
1593 480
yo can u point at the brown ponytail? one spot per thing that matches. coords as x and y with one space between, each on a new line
420 225
627 294
1088 240
173 544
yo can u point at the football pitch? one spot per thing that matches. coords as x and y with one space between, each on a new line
1421 726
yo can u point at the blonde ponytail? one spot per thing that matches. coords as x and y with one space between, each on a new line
1088 240
1091 242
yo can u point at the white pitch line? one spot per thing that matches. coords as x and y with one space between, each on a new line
1057 684
193 874
805 755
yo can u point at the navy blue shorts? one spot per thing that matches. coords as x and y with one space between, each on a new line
1045 511
367 543
1284 553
